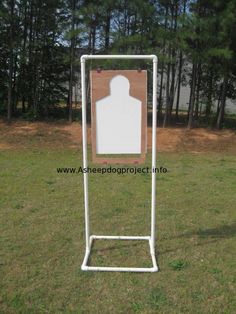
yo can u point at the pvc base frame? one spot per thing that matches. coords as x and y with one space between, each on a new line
86 267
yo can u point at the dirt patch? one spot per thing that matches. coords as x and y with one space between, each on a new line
21 134
195 140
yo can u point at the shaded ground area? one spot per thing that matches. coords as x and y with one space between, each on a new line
22 134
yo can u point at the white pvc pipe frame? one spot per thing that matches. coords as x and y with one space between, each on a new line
89 238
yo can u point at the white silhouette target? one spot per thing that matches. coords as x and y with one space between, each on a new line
118 120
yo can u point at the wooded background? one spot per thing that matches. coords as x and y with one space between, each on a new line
41 42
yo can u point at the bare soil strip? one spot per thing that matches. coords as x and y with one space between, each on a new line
22 134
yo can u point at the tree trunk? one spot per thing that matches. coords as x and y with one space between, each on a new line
30 57
209 94
159 109
179 85
11 57
192 98
167 95
218 104
220 117
159 112
23 104
72 54
94 30
173 65
199 77
36 60
172 87
180 73
107 29
23 84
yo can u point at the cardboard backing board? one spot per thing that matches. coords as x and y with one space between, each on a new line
118 116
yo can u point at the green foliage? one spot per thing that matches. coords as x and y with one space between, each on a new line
46 38
178 264
157 298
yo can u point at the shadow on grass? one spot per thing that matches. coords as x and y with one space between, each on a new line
224 231
112 247
209 236
142 253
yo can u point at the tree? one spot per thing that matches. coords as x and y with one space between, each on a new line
41 42
72 58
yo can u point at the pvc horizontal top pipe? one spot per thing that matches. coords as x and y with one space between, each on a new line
90 57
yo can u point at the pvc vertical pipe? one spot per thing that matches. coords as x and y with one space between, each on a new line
85 162
154 117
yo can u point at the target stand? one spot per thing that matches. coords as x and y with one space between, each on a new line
90 238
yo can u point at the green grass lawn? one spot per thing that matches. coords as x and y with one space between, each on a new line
42 236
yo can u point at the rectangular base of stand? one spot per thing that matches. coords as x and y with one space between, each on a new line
152 269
